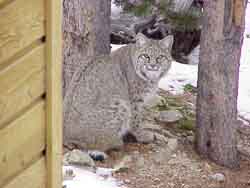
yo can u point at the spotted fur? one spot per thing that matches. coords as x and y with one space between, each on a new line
107 99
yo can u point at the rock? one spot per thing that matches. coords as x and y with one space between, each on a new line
140 162
168 134
191 139
144 136
157 180
243 139
169 116
161 138
172 144
78 157
207 167
151 126
174 155
162 156
127 181
124 164
104 172
97 155
218 177
153 100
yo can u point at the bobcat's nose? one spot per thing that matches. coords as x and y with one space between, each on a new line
153 67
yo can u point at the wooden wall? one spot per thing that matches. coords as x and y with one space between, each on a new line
30 94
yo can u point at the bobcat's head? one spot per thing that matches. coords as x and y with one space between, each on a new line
151 58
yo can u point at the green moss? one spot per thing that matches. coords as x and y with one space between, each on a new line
190 88
168 103
163 105
188 121
187 112
187 124
173 102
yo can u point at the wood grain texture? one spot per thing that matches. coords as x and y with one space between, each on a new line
13 102
22 69
22 141
3 3
54 93
23 23
33 177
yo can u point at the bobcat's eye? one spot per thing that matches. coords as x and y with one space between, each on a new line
145 58
160 58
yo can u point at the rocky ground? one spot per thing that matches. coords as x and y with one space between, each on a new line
173 162
177 166
166 157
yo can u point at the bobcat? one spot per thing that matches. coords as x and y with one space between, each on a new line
106 98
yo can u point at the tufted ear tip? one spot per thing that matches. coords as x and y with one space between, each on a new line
167 42
141 39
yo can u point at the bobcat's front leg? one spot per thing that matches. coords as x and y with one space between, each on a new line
138 115
141 109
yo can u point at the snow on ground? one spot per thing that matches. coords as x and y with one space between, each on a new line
178 76
116 11
244 90
181 74
244 86
116 46
83 178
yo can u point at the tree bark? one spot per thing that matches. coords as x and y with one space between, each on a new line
221 41
86 32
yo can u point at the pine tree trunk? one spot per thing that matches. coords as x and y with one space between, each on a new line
221 41
86 32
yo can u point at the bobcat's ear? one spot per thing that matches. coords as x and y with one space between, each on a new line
167 42
141 39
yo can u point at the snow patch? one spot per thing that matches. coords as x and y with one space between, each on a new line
83 178
116 46
115 10
178 76
181 74
193 57
244 90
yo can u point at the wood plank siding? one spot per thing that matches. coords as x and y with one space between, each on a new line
30 94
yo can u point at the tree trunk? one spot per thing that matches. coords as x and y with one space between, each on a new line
86 32
221 41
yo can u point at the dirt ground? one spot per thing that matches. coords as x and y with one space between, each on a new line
155 166
174 164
